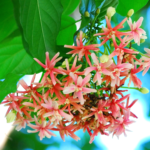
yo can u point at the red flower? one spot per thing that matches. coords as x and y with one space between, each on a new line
109 31
49 67
82 50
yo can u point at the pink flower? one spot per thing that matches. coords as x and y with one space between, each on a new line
31 90
66 130
100 129
52 89
120 50
99 67
136 32
129 106
119 127
13 102
49 67
116 71
115 106
98 112
82 50
42 128
79 87
145 61
109 31
136 81
71 103
21 122
73 69
54 111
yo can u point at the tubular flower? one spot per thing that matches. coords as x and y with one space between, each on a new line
49 67
121 50
145 61
79 87
55 113
73 69
136 32
99 67
120 127
66 130
42 128
82 50
136 81
109 31
13 102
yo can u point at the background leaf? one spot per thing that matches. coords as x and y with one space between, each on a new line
90 6
14 59
67 30
69 6
125 5
98 3
84 22
7 19
40 21
87 5
9 85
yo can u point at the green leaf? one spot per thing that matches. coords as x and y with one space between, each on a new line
125 5
40 20
7 19
105 5
63 51
67 30
84 22
9 85
69 6
87 5
98 3
14 59
14 34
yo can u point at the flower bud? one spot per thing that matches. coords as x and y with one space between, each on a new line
104 58
97 11
130 13
64 63
144 90
83 36
112 44
111 11
142 41
11 116
87 14
98 92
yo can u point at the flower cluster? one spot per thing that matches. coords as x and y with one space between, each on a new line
83 93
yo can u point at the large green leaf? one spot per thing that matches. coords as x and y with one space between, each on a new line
125 5
7 20
67 30
98 2
69 6
104 6
14 59
40 20
9 85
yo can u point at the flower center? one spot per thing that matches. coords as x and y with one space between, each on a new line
67 101
99 68
78 89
